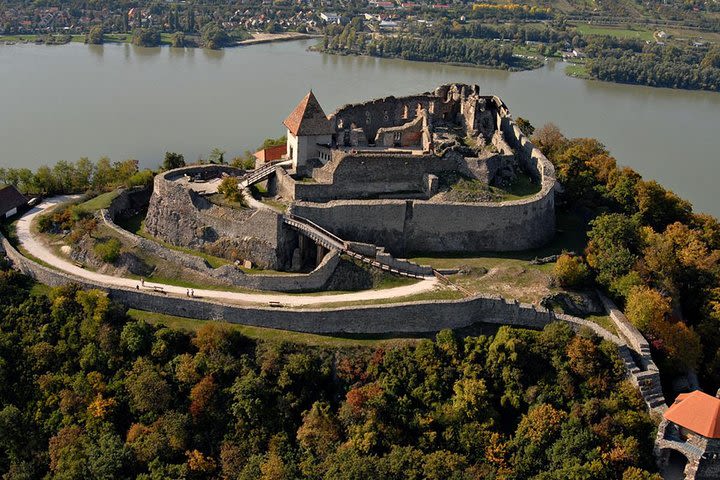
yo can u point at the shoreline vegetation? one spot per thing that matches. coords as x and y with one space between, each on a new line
166 39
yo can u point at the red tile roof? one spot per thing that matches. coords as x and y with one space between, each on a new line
696 411
308 118
271 153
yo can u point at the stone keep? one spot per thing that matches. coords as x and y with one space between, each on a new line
308 128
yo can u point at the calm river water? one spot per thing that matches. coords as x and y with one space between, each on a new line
126 102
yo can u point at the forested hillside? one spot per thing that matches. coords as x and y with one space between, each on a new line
87 392
649 250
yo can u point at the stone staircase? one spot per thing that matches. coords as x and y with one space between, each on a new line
370 254
260 174
651 388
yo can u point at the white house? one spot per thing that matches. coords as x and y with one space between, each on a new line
331 17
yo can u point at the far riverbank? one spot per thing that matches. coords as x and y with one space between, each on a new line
165 39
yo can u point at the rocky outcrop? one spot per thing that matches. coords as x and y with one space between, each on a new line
578 304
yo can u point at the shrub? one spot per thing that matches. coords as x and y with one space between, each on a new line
45 223
140 179
108 251
570 271
231 190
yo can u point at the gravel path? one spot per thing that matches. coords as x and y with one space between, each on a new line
39 250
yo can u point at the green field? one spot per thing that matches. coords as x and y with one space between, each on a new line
638 33
165 38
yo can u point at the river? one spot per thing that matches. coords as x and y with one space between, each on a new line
65 102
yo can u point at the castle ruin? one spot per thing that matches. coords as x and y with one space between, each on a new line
384 178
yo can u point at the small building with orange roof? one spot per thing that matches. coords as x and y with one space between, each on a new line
269 154
691 427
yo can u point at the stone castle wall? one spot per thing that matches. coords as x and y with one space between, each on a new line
447 102
291 282
406 226
179 216
428 316
347 175
130 201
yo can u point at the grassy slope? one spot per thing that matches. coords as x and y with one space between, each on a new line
101 201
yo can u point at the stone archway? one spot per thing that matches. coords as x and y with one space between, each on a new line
673 463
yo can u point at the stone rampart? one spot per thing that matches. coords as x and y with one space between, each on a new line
282 185
291 282
427 316
407 226
369 174
180 216
416 317
648 378
130 201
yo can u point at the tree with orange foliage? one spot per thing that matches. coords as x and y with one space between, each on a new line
201 396
646 307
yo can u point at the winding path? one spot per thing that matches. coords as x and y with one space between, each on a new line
39 250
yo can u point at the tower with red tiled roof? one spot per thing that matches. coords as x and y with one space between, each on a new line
308 131
691 427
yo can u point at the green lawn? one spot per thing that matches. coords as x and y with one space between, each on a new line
98 203
438 294
276 205
273 335
512 274
165 38
578 70
522 187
